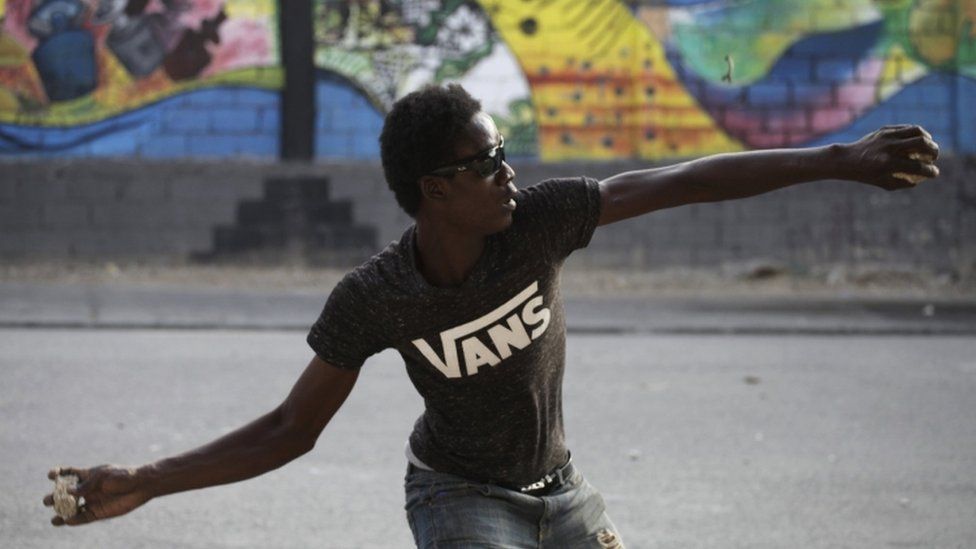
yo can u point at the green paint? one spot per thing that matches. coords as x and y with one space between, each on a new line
756 33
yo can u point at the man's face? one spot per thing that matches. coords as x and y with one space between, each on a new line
473 202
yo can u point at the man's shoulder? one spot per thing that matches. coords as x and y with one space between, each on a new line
383 271
556 192
555 186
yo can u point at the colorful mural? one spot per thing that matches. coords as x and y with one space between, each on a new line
388 48
808 69
74 63
564 79
605 79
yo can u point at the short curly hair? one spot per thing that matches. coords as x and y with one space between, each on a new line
420 134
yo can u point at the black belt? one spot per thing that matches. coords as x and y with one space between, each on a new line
547 484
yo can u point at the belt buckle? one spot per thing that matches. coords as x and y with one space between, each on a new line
537 485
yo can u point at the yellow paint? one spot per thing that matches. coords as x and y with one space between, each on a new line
109 101
248 9
898 70
601 85
935 28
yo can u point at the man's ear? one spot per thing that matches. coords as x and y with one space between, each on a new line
433 187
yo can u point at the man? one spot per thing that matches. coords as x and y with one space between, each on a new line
469 297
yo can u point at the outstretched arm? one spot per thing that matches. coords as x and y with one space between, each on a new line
874 159
266 443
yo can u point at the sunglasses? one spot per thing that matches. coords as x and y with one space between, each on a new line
484 164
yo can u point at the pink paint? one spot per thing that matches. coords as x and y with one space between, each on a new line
200 10
862 94
827 120
761 127
243 43
15 23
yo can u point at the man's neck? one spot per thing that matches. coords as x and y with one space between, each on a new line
445 257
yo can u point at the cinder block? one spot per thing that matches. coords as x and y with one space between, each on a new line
270 120
151 188
365 146
352 119
211 145
186 120
332 144
47 244
215 188
118 145
323 118
233 120
41 191
767 139
825 120
261 145
832 69
811 96
131 215
12 245
20 216
788 121
855 95
248 97
773 95
165 146
8 190
65 216
211 97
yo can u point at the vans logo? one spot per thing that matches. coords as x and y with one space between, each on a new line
508 329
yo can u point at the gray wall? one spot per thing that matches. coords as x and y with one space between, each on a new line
166 211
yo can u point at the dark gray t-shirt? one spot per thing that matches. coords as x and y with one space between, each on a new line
487 356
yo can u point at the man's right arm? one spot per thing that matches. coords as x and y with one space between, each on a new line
272 440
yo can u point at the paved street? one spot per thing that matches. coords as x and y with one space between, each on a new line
695 440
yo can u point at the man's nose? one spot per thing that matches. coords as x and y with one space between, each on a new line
506 174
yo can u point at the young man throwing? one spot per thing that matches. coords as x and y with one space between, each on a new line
469 298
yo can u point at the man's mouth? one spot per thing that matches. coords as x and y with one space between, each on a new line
510 203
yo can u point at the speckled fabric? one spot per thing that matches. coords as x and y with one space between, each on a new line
487 356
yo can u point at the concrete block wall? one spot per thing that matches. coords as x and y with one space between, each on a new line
208 123
122 210
223 122
97 210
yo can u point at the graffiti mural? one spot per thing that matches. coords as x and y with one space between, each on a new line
564 79
67 64
808 69
606 79
388 49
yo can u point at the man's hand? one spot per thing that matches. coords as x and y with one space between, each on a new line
108 491
893 157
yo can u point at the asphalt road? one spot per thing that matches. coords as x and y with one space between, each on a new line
695 440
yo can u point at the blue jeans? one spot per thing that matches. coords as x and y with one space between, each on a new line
447 511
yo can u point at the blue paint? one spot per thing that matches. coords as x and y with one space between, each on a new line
186 120
181 126
812 60
775 94
66 65
347 124
953 129
165 146
234 119
65 53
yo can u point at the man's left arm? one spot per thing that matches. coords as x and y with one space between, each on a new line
874 159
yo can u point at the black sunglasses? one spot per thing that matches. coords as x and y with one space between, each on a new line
484 164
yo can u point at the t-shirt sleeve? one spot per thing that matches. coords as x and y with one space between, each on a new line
349 329
563 212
